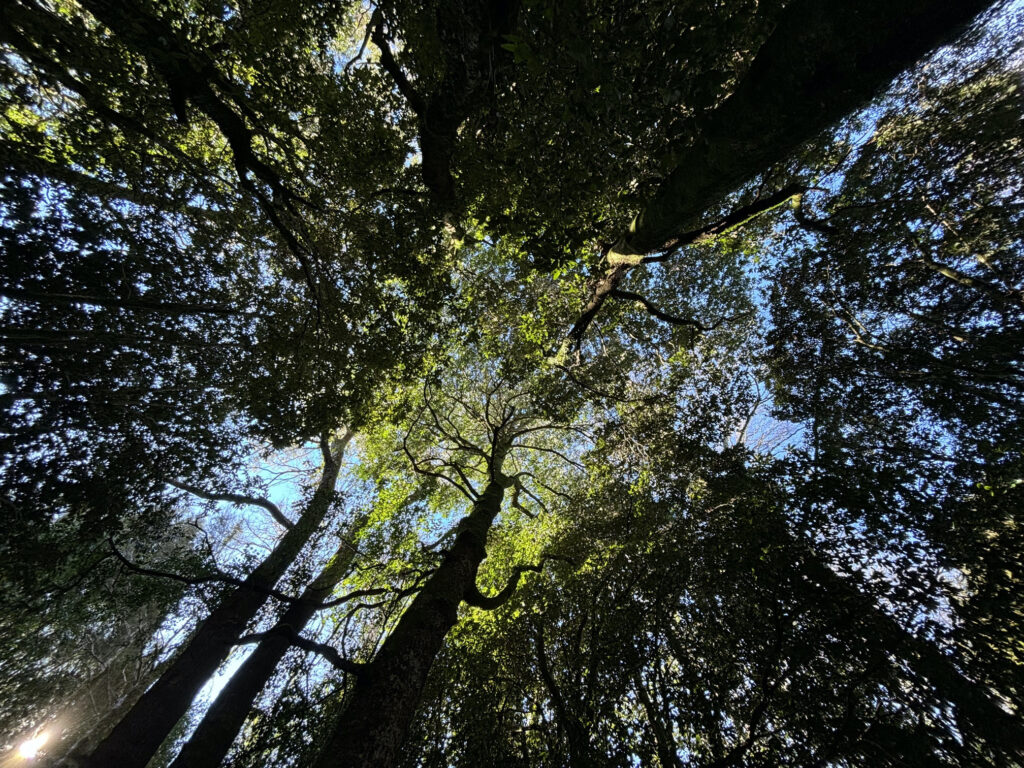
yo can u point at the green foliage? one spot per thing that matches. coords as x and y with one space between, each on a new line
749 474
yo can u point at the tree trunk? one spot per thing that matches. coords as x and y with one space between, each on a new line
213 738
99 727
664 740
823 60
138 736
373 727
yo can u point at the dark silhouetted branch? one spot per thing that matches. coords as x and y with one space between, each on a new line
235 498
323 649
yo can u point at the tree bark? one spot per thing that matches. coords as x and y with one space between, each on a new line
373 727
823 60
224 719
98 729
138 736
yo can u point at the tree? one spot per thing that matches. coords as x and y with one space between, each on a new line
141 731
210 742
541 256
472 441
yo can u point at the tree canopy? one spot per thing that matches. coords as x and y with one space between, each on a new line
517 383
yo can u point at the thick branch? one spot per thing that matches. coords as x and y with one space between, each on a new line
620 265
328 652
732 221
809 222
235 498
387 60
653 310
477 599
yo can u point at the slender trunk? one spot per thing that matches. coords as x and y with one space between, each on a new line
664 741
999 729
576 734
213 738
138 736
373 727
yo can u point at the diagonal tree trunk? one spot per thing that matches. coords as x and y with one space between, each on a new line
139 734
373 727
220 725
823 60
97 731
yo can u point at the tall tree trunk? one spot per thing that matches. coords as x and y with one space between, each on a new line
664 740
138 736
373 727
823 60
88 738
213 738
577 736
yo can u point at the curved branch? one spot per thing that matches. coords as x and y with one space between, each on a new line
516 503
190 580
235 498
809 222
477 599
653 310
619 265
287 631
470 493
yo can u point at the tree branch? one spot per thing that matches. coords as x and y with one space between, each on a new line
619 266
235 498
820 62
477 599
653 310
470 493
733 220
243 584
328 652
387 60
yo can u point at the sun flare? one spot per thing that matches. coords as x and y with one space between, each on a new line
29 749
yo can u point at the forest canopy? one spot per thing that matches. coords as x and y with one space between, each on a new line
514 383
